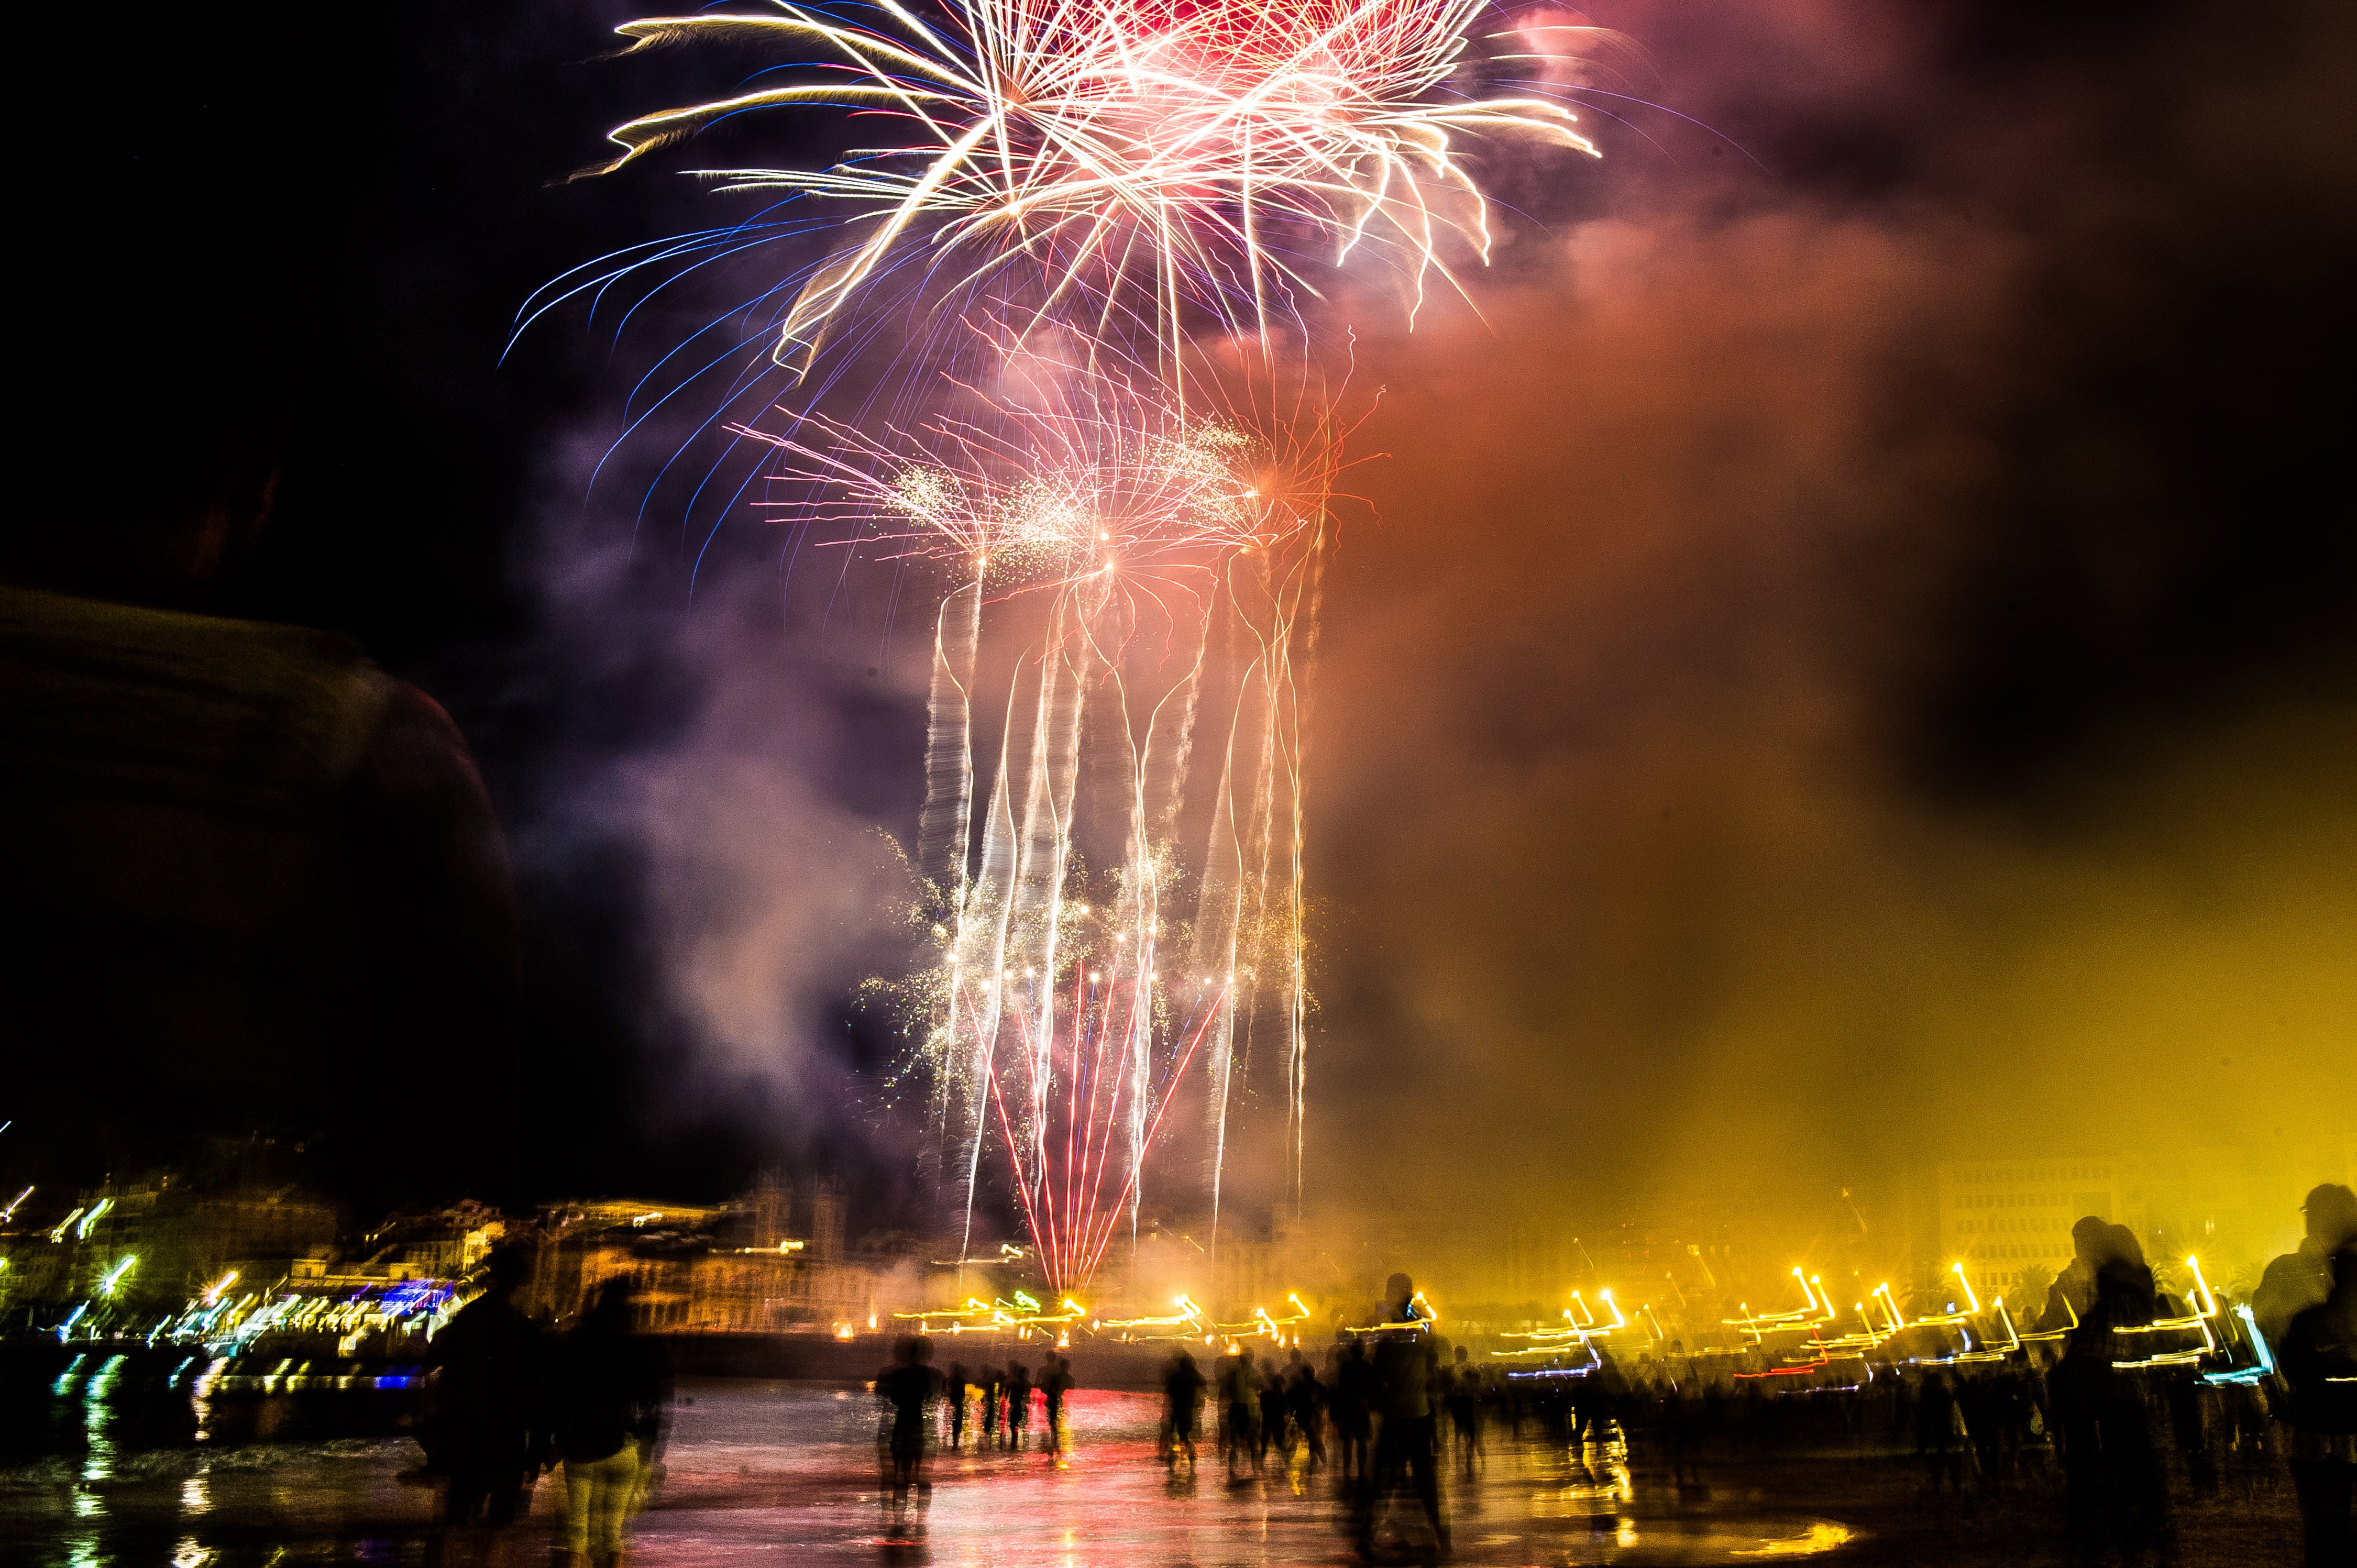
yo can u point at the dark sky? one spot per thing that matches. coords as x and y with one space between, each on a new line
1855 658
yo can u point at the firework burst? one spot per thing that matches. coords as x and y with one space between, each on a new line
1143 156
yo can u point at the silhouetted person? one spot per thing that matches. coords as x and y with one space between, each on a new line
954 1388
1465 1407
485 1430
2115 1493
1305 1400
2073 1292
1271 1412
608 1394
2299 1280
1405 1364
2317 1359
1936 1432
1682 1411
1239 1406
909 1387
1055 1382
2189 1426
993 1383
1018 1402
1353 1403
1182 1396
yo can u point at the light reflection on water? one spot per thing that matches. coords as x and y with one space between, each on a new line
753 1469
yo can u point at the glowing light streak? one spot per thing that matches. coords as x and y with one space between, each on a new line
1806 1319
2258 1344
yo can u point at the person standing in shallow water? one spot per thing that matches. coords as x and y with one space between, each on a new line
992 1382
1018 1402
1465 1407
1055 1381
954 1388
1182 1394
908 1387
608 1395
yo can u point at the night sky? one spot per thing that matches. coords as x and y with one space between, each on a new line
1849 657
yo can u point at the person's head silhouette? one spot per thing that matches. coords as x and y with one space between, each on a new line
2331 1211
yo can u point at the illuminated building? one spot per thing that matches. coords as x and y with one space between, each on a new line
438 1243
2010 1219
181 1233
699 1269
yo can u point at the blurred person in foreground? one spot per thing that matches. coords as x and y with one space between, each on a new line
485 1432
2114 1491
609 1396
2318 1360
1055 1382
1239 1410
908 1386
2299 1280
2072 1293
1182 1394
260 862
2296 1287
1406 1363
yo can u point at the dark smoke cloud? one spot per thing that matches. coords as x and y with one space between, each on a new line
1854 668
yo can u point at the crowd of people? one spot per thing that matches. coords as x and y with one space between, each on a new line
1391 1408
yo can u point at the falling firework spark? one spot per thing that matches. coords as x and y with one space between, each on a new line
1179 561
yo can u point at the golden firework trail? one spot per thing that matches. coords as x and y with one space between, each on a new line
1158 571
